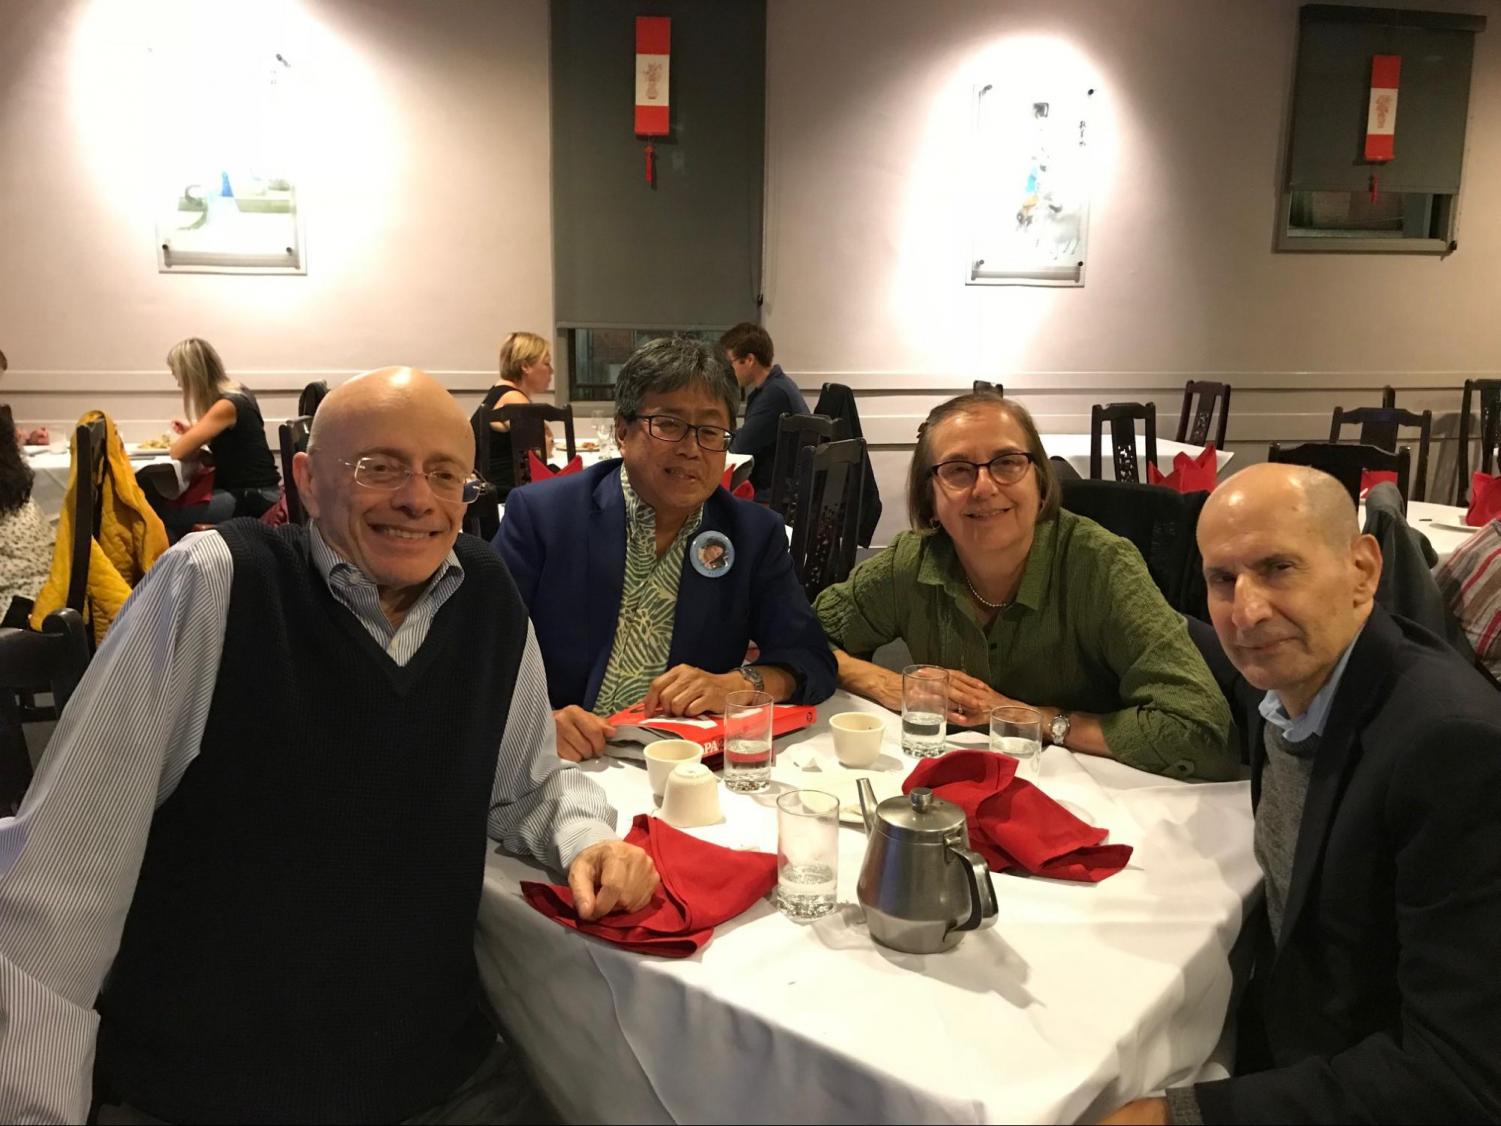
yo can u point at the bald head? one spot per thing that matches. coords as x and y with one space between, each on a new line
1316 502
398 391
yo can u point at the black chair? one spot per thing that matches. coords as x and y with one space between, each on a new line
1193 421
312 395
794 431
1346 462
1122 418
528 422
294 435
1379 426
1160 522
53 660
88 476
837 401
830 487
1489 393
986 385
1388 396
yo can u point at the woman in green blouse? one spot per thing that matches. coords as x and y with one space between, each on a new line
1026 603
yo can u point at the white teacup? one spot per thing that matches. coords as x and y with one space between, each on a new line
692 796
663 755
857 737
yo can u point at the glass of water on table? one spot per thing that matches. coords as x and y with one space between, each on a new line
925 709
747 741
807 853
1017 731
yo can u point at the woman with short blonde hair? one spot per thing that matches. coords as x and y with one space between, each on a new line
525 370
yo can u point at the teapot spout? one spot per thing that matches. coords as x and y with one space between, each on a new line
867 804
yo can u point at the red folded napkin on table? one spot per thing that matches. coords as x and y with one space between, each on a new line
1485 500
703 885
745 490
1012 822
1190 474
541 471
1370 478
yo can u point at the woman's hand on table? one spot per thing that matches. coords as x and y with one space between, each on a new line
611 876
971 699
581 734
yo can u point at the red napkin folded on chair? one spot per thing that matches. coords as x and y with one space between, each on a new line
703 885
541 471
1370 478
1012 822
200 490
1190 474
1485 500
745 490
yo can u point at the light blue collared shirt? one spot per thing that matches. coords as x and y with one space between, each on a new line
1312 721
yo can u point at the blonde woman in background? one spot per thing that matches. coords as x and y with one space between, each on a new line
224 423
525 370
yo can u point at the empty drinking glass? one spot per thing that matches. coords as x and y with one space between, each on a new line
925 709
1017 731
807 853
747 741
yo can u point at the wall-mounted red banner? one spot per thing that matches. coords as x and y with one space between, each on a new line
653 50
1381 117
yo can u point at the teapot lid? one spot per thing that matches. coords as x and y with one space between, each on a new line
921 814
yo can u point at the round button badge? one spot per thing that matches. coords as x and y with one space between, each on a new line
712 554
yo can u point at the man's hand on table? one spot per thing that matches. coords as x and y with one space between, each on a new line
685 690
581 734
1147 1112
611 876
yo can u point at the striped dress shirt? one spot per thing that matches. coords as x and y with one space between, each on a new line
70 857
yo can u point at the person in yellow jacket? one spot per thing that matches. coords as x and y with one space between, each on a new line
130 538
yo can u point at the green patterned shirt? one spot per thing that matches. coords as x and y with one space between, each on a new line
648 605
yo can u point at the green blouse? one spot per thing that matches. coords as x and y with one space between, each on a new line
1088 631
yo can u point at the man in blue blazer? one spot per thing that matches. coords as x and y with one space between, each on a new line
1376 770
645 579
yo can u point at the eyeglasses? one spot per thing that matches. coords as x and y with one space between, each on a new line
665 427
1005 469
386 475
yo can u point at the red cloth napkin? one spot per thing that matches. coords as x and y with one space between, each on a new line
1485 500
1370 478
1012 822
703 885
541 471
745 490
1190 474
200 490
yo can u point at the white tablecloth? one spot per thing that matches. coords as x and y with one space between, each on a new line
51 467
1427 517
1080 998
1074 449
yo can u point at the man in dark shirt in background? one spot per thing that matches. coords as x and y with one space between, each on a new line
771 395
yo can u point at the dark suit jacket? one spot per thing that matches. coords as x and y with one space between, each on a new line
564 541
1380 1001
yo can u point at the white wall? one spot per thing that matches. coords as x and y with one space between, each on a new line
868 105
426 197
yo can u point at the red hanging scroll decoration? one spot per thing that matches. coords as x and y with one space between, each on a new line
653 56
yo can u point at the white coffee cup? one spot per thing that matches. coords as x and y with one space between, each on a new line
663 755
692 796
857 737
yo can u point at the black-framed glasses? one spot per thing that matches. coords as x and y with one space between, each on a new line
668 428
1006 468
387 474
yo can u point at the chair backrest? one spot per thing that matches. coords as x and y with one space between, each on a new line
528 423
88 474
53 660
1159 521
1193 421
1379 426
837 401
1122 418
1489 393
794 431
1346 462
294 435
313 394
830 487
986 385
1388 396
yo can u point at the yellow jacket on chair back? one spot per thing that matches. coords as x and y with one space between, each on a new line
130 538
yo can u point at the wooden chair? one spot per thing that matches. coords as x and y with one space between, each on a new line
53 660
825 530
794 431
1388 396
1346 462
1122 418
986 385
294 435
88 474
837 401
1193 421
528 422
1489 393
313 394
1379 426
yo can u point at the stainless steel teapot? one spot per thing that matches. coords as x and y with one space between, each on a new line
921 885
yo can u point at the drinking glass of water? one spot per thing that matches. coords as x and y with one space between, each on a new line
1017 731
925 709
747 741
807 853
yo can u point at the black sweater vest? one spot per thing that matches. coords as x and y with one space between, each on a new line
300 947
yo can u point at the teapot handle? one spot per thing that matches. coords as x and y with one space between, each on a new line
982 904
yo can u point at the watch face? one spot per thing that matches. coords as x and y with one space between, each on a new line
1059 728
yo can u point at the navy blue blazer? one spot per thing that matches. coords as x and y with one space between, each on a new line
564 541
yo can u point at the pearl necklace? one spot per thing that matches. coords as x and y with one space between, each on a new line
982 600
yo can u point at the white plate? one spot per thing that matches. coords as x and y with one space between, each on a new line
842 784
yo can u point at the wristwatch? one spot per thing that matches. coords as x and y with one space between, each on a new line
752 674
1058 728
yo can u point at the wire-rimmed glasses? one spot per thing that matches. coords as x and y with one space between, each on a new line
387 474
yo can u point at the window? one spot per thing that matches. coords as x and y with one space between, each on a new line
596 355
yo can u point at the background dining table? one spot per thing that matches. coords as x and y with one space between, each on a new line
1081 997
51 465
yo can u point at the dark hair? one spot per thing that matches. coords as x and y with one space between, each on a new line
672 363
746 339
920 508
4 363
15 475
